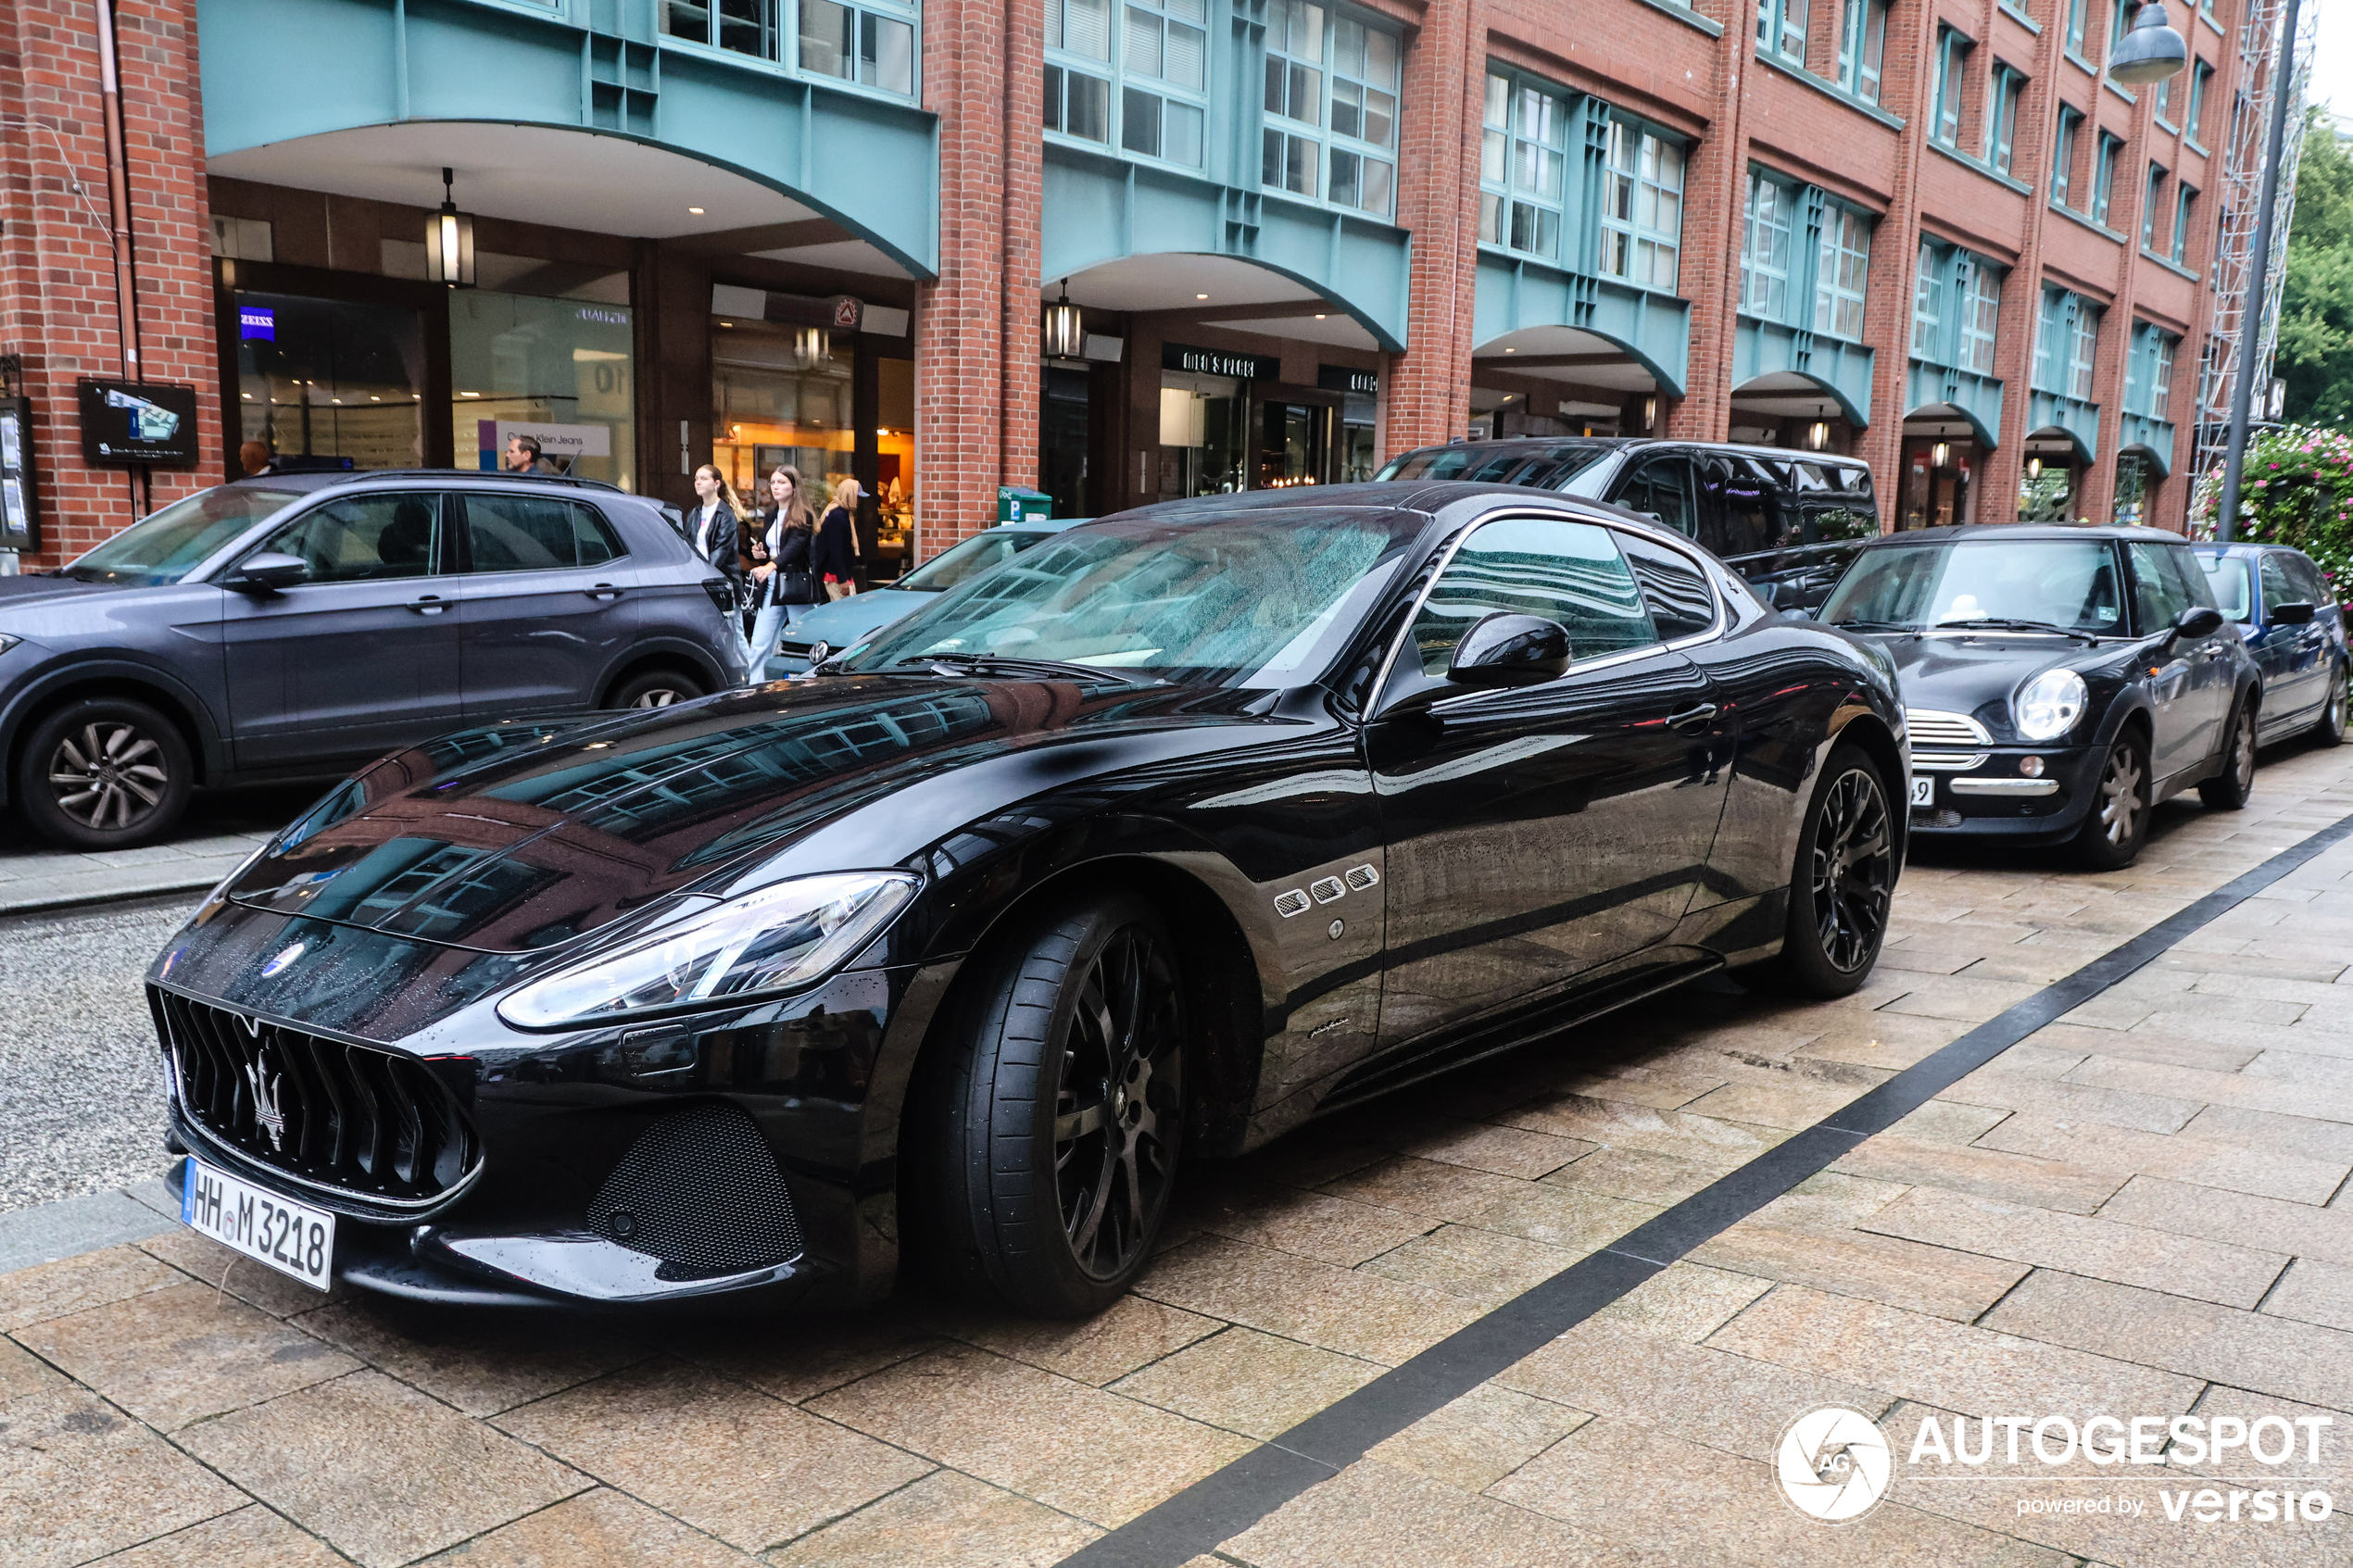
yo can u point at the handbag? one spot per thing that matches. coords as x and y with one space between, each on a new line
794 585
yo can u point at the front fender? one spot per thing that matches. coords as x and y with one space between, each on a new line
122 671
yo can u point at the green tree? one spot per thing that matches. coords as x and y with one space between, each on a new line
2316 303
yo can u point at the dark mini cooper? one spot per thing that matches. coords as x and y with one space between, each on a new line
2058 682
1166 835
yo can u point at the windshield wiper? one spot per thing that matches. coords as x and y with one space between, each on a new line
997 664
2008 623
1872 626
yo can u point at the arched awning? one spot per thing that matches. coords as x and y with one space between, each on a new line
1217 291
1797 394
1580 356
1946 415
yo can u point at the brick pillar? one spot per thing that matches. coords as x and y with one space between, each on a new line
1715 194
964 427
58 303
1428 395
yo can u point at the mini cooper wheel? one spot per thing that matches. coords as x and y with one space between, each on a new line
2118 822
104 774
2228 790
1061 1113
655 688
2329 730
1841 886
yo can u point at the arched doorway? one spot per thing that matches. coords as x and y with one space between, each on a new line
1566 380
1945 448
2052 479
1794 409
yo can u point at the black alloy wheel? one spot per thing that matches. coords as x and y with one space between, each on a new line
104 774
2228 790
2330 729
1842 888
2110 837
655 688
1058 1117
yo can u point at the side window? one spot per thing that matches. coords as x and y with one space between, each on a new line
1674 589
1663 488
1562 570
2226 580
2159 596
1751 518
2184 564
534 533
2309 583
359 538
2278 588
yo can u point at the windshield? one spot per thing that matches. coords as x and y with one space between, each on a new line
165 546
969 558
1547 469
2066 584
2232 594
1250 598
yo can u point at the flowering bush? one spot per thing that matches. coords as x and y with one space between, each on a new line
2296 489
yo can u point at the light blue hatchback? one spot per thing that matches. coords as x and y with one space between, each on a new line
844 622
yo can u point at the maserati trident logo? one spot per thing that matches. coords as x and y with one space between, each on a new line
265 1103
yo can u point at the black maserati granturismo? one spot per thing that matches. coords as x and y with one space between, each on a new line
1148 843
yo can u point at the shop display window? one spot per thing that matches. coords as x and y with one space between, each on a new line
560 369
783 396
328 377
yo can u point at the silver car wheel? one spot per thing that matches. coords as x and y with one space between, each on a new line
661 697
108 774
2121 795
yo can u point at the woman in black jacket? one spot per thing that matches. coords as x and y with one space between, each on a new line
715 529
836 559
783 586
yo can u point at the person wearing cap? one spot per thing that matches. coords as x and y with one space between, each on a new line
835 558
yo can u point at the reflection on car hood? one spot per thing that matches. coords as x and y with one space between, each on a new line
20 591
532 845
843 621
1954 674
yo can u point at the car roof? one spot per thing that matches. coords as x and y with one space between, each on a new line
2021 531
1505 445
310 482
2244 547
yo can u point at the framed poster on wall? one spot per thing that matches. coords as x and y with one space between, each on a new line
20 497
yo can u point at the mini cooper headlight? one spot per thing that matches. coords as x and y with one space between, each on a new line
2048 706
778 937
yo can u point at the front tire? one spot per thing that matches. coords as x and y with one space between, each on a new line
1841 886
106 773
2228 790
1060 1112
2111 836
655 688
2329 730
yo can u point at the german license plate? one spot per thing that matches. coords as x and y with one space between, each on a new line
293 1239
1924 791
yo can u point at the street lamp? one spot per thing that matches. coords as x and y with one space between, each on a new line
1064 333
449 242
2150 49
2258 264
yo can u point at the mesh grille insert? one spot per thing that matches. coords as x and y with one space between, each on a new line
700 1191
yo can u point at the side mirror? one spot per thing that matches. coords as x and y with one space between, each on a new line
266 573
2297 614
1505 649
2198 620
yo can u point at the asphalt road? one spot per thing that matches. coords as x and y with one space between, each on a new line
81 1104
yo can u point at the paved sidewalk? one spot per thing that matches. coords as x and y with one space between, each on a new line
219 831
2139 1210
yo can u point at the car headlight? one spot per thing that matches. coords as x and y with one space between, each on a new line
781 936
2048 706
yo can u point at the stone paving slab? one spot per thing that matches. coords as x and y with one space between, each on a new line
2141 1210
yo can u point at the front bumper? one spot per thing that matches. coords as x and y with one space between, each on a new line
1990 798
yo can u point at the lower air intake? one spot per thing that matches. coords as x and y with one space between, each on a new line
700 1191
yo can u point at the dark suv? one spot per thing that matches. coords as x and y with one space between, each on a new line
1787 521
293 625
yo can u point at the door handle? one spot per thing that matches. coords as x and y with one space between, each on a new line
1692 720
604 593
430 604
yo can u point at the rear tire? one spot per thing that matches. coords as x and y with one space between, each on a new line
1841 885
655 688
106 773
2112 833
2329 728
2228 790
1057 1115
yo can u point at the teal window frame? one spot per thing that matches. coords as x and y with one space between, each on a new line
1952 49
1109 82
2007 86
2150 195
1640 218
2148 371
1524 138
885 39
1977 290
2076 14
1843 272
2184 204
1928 304
1328 66
2050 321
2063 144
2082 349
1781 29
1862 47
2104 154
1769 230
1957 308
2201 76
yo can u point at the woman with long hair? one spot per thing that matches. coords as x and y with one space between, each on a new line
836 558
783 584
715 529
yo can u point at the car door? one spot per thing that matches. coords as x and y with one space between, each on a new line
1538 832
544 602
1662 485
2292 657
360 658
2189 684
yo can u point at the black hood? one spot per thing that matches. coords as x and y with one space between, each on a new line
1975 674
517 840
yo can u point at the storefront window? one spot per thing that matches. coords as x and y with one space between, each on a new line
895 464
1202 435
327 378
784 395
556 370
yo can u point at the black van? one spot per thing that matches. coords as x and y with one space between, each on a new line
1787 521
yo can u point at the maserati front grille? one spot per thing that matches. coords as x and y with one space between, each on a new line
374 1125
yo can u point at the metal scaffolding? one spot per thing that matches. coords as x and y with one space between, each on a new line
2259 41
